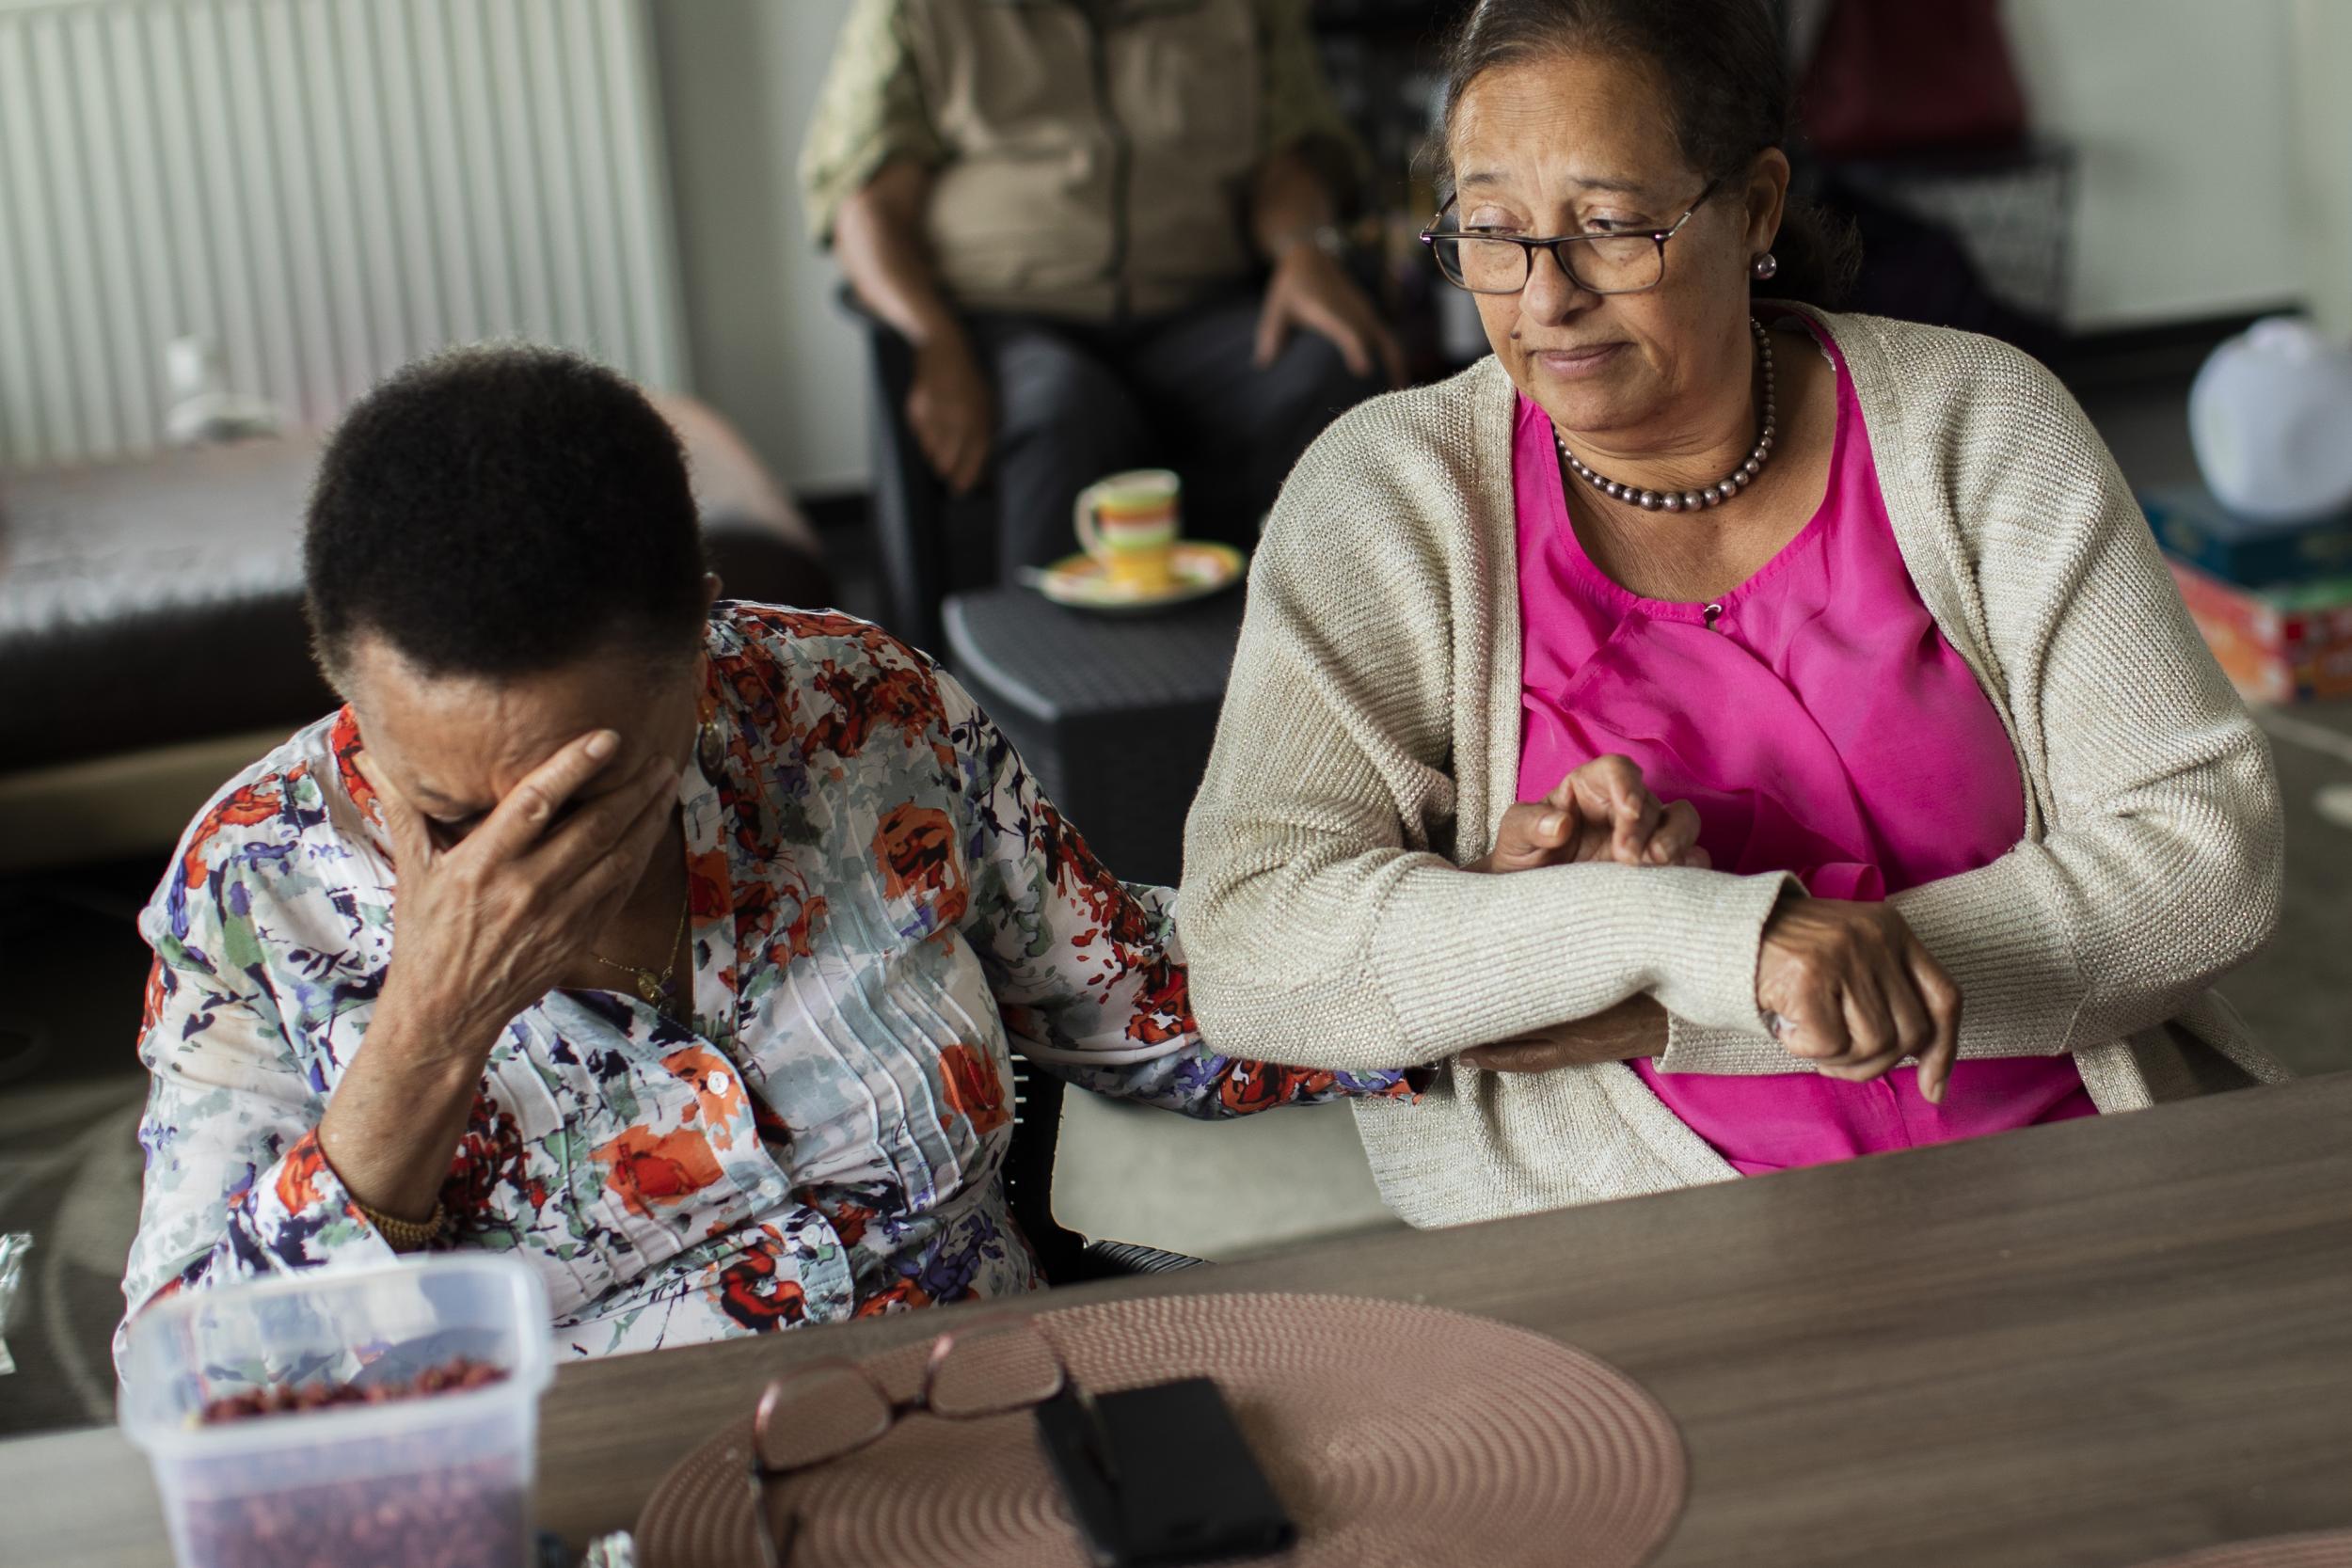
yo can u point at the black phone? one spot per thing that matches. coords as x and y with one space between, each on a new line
1161 1476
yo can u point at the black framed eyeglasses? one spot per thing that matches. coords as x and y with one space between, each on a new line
1629 263
830 1409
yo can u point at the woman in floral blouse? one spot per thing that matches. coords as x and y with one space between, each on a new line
677 947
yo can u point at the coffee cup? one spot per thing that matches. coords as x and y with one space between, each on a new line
1129 523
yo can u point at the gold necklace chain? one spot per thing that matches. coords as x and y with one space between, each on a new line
654 988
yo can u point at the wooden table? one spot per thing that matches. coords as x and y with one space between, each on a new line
2089 1344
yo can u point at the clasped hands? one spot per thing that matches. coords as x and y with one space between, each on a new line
1849 986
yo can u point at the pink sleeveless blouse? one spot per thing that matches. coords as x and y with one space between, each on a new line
1823 725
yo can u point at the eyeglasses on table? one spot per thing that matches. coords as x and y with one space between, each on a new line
830 1409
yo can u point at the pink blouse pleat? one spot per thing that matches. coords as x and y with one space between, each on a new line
1823 725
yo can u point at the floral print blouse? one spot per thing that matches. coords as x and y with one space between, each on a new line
883 907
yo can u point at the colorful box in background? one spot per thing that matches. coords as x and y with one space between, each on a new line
2196 529
2287 643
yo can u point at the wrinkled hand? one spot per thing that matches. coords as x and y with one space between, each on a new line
952 411
1601 812
1311 292
1631 1029
1850 990
485 927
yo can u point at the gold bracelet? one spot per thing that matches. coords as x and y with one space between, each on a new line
407 1235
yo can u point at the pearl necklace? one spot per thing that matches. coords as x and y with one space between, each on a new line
1692 500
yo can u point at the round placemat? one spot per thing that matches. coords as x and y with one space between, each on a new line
1393 1434
2329 1550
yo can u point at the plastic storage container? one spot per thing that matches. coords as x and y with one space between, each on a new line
437 1481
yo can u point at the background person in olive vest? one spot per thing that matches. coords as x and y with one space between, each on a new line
1106 227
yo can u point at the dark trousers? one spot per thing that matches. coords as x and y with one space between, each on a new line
1077 401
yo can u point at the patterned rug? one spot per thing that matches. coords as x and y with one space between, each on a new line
71 973
70 1177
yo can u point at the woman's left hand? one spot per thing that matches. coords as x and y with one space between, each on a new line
1851 988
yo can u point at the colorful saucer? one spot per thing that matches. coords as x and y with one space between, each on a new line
1201 566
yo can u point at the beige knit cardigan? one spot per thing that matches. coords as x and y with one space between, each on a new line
1370 745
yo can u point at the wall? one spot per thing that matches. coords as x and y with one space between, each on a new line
769 347
2183 118
2323 63
322 190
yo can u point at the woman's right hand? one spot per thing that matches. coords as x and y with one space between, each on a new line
952 411
1850 988
485 927
481 930
1603 811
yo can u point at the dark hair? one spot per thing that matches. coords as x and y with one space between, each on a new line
1725 74
501 510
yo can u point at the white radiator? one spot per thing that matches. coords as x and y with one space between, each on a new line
323 189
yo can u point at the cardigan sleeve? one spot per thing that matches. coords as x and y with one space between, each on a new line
1320 926
2159 861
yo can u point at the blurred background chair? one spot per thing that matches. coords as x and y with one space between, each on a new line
1115 717
927 542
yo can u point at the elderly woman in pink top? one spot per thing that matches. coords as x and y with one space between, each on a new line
1856 777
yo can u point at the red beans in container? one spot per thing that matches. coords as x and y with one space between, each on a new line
378 1415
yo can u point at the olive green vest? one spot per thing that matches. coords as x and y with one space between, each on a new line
1100 167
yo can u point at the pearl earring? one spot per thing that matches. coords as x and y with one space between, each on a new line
1765 266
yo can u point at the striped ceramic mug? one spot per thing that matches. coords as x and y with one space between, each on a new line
1129 523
